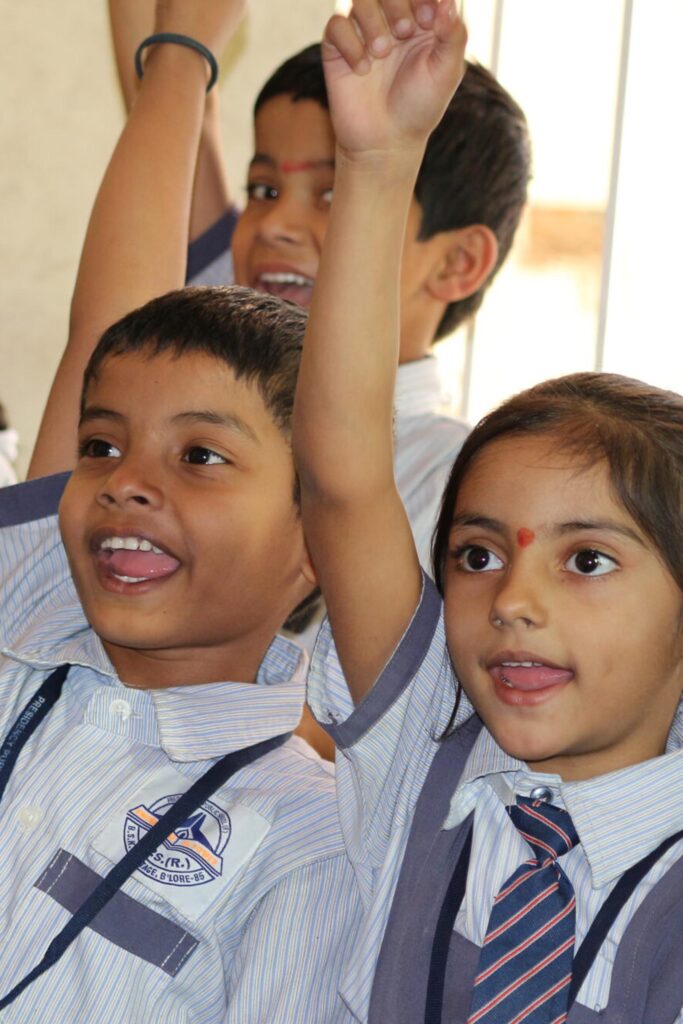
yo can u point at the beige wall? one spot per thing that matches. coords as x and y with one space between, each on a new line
60 119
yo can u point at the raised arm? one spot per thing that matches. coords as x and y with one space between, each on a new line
384 100
136 242
131 22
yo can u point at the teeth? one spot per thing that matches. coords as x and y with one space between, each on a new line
286 278
129 544
130 579
522 664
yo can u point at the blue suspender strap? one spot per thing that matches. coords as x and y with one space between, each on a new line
442 935
193 798
604 919
28 721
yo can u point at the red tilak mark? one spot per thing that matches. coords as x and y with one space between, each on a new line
525 537
289 166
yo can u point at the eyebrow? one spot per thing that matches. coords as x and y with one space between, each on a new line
315 165
193 416
221 419
558 530
98 412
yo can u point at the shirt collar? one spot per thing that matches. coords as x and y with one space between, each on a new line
620 817
196 723
419 388
199 723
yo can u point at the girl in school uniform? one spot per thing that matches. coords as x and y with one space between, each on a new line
510 735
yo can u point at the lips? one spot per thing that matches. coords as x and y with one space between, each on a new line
132 558
521 677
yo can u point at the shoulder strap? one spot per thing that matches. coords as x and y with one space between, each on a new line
444 931
40 704
607 915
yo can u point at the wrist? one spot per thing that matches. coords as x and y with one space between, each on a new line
382 174
180 47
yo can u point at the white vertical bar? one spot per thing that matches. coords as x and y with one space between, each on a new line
610 217
470 338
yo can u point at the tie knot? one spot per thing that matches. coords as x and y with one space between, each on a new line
548 830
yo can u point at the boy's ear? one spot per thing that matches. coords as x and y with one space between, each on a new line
469 255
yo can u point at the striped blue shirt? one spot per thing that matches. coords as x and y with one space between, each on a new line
256 928
387 745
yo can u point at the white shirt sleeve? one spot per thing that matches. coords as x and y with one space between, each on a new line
386 744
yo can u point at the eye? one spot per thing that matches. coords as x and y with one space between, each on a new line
258 191
475 558
97 448
589 562
198 456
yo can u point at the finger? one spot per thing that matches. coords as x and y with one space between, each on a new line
449 26
399 16
373 26
343 39
424 12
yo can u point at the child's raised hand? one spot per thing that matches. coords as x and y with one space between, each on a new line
212 22
391 67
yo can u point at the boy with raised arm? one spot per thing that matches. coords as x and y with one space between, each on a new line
468 198
173 849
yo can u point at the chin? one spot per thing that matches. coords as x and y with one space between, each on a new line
528 748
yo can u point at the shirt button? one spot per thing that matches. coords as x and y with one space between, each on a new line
29 817
541 793
121 708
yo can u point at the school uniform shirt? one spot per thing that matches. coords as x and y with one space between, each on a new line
386 747
258 930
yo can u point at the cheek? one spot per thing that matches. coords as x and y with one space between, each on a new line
241 244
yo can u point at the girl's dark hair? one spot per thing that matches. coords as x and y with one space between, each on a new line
636 428
258 336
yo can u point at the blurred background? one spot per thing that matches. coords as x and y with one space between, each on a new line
593 280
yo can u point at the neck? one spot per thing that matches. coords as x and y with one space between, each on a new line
189 666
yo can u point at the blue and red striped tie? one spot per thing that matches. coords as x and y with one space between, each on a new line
525 967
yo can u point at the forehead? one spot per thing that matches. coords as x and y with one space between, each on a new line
529 481
294 133
148 390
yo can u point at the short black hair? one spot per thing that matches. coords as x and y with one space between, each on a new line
258 336
300 77
476 167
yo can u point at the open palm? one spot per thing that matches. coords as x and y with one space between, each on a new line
402 97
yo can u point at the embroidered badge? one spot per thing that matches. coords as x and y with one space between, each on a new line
189 856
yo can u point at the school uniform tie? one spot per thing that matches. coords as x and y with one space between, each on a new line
525 966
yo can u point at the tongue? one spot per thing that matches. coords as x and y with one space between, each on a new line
534 678
141 564
300 294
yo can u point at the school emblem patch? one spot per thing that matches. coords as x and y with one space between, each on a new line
192 854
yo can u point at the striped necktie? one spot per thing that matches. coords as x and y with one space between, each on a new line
525 967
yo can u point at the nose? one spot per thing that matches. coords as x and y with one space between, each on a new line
285 220
520 598
132 482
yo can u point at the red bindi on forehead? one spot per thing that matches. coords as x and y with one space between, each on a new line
525 537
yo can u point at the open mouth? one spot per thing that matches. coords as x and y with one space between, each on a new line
288 285
133 559
527 681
